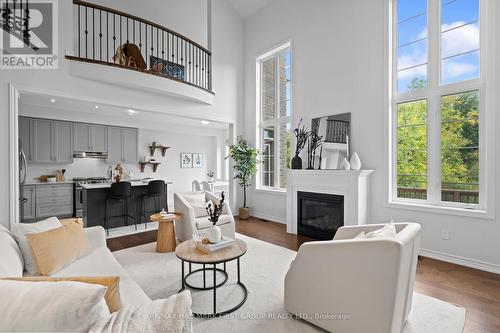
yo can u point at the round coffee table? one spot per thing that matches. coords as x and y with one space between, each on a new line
187 252
165 238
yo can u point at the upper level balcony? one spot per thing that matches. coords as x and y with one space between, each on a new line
147 55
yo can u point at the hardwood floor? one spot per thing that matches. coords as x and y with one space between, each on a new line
477 291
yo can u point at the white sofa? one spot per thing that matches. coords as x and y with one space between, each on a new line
190 223
100 262
351 285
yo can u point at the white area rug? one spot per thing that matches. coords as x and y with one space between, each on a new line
263 269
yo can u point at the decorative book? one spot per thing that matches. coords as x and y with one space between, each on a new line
210 248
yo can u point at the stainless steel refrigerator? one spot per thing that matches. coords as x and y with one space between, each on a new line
23 170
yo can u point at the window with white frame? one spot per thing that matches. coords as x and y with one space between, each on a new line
437 98
274 118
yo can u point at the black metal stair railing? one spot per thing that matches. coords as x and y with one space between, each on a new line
15 20
109 36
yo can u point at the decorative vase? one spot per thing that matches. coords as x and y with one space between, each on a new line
296 162
355 162
214 234
345 165
244 213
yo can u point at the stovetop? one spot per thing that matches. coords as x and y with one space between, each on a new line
91 180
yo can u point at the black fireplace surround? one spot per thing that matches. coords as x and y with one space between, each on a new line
319 215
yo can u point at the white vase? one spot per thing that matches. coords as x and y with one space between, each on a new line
214 234
355 162
345 165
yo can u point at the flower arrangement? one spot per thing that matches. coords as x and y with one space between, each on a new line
210 174
214 210
301 136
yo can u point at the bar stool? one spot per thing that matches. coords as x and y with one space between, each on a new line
156 189
120 192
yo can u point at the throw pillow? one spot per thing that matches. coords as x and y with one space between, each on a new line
361 235
51 306
20 230
56 248
112 284
388 231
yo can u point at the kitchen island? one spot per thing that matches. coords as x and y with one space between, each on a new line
94 203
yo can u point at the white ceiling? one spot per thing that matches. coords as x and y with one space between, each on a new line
247 8
88 107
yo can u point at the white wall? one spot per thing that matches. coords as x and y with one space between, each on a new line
338 61
227 46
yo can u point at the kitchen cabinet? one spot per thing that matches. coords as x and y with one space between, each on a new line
123 145
54 200
63 141
42 141
90 137
45 140
28 208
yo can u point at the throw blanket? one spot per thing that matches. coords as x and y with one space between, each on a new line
163 315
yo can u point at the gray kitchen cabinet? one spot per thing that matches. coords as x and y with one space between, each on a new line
99 138
42 144
50 141
122 145
63 141
130 145
81 137
25 134
28 209
115 145
54 200
90 137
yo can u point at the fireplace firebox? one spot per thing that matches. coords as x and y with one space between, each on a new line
319 215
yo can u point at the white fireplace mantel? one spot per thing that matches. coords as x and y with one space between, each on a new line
353 185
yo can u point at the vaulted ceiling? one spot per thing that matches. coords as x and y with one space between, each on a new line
247 8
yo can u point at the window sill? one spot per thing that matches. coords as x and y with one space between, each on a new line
270 191
446 210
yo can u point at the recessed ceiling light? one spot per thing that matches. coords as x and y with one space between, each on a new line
205 122
53 100
132 112
96 106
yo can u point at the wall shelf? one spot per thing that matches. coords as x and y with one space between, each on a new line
154 165
163 149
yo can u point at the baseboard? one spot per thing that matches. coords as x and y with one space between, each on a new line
268 217
467 262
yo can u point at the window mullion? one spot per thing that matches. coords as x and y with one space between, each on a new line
276 128
433 104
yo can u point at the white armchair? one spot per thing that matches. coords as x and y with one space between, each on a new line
195 220
351 285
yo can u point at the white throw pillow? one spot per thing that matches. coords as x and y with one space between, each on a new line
388 231
20 230
361 235
51 306
197 201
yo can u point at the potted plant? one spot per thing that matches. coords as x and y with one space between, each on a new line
214 211
245 166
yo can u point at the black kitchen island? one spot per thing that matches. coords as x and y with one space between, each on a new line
94 203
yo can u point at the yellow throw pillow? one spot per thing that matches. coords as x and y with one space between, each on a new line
56 248
78 220
112 283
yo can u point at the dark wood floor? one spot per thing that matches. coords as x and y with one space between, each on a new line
477 291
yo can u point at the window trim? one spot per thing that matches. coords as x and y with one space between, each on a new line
276 122
484 84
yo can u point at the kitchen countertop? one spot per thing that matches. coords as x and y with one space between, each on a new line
107 185
37 182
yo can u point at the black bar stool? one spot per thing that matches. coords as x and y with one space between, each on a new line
121 192
156 189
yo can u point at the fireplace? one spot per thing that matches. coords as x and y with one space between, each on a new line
319 215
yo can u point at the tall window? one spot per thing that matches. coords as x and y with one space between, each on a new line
274 118
436 101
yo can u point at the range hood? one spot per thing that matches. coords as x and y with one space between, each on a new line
90 154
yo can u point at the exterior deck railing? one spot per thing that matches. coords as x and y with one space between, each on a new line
111 37
463 196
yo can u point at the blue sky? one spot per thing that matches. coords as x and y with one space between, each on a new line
460 34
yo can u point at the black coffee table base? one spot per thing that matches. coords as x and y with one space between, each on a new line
213 286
